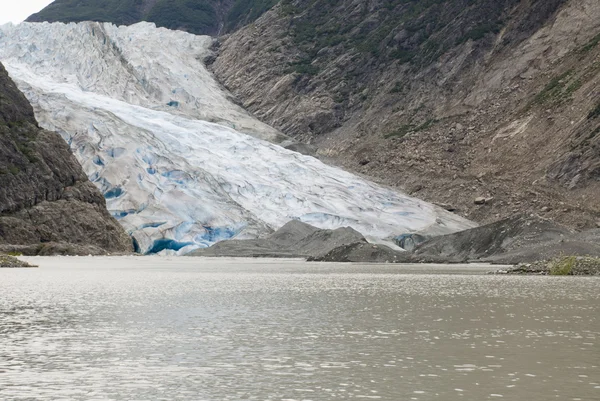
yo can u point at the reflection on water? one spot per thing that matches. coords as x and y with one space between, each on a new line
196 329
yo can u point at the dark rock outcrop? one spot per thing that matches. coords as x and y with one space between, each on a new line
44 194
364 252
300 240
519 239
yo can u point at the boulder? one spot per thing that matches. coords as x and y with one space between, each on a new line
479 200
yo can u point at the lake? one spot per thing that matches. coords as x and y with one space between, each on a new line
151 328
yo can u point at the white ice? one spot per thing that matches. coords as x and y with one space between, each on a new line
180 164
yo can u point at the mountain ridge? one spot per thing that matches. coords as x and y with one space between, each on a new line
202 17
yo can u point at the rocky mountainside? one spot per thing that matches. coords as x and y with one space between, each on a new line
45 198
202 17
487 107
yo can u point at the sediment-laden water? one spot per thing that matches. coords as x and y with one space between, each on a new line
204 329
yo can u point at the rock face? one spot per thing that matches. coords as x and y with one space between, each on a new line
299 240
450 100
44 195
294 240
520 239
363 252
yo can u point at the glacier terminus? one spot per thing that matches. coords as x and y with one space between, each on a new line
180 164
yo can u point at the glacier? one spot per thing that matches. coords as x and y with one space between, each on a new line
180 164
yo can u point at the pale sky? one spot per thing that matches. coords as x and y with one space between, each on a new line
16 11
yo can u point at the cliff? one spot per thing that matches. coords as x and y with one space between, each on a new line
45 198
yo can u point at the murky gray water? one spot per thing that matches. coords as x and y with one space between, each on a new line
194 329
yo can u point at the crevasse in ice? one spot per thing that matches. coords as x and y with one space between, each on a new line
182 166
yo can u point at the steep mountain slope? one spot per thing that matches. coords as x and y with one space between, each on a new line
449 99
180 164
203 17
44 195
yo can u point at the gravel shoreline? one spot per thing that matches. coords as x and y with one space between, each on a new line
12 262
561 266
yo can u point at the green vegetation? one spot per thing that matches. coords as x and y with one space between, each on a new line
195 16
18 139
415 33
591 44
244 12
563 86
562 266
403 130
9 261
410 31
594 113
573 87
26 148
398 87
12 169
304 67
586 142
23 137
574 266
120 12
554 88
482 31
559 89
